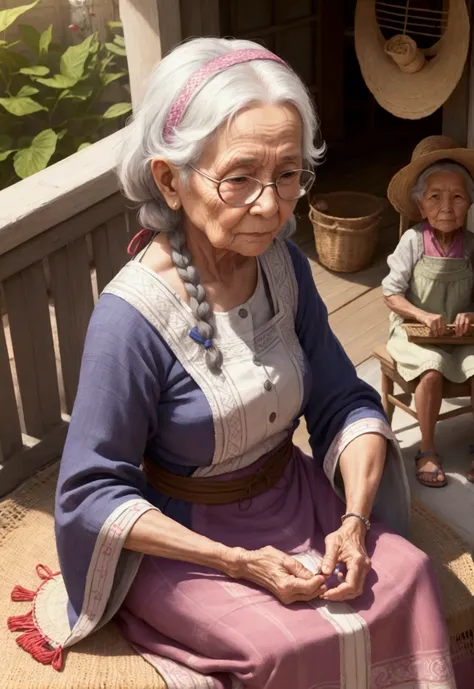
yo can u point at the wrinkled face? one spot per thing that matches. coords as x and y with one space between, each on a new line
261 142
445 201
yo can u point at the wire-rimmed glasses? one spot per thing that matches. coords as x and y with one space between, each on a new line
243 190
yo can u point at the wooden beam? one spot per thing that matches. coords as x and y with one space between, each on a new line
151 28
60 235
210 18
457 111
58 192
329 66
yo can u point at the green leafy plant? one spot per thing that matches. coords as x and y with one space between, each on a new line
53 100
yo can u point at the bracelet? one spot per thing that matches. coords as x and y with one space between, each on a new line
358 516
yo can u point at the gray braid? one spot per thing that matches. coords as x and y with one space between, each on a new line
197 295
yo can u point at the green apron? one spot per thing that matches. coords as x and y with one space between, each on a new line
443 286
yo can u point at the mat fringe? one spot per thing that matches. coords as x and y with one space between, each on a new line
33 641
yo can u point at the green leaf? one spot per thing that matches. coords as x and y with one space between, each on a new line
30 36
74 59
14 61
120 41
21 106
4 155
27 90
79 92
91 66
116 49
3 43
95 44
35 158
108 78
117 110
82 91
35 70
63 94
85 144
45 40
105 62
61 134
7 17
115 25
58 82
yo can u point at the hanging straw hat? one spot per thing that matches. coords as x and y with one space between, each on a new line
396 71
427 152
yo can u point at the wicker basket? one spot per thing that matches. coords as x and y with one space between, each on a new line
345 225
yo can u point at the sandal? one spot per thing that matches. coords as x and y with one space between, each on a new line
429 482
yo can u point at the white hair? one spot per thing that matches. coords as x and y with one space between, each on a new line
215 103
419 187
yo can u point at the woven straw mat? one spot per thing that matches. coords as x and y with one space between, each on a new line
105 660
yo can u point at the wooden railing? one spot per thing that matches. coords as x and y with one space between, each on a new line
63 236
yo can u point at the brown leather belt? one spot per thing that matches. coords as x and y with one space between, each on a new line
204 491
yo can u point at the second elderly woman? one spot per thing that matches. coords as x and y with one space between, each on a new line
431 282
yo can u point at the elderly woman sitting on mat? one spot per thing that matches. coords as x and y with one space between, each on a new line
431 282
183 505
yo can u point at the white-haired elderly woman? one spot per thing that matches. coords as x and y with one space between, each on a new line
230 558
431 282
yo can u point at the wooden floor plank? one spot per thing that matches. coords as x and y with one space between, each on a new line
337 290
361 325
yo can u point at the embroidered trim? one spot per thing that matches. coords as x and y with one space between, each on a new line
177 675
102 568
145 291
347 435
432 668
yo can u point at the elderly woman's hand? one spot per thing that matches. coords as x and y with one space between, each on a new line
463 323
279 573
435 322
346 546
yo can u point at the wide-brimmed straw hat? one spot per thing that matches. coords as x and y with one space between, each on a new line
414 90
427 152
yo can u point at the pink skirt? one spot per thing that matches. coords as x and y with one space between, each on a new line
201 629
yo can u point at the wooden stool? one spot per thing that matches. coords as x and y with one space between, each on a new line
390 376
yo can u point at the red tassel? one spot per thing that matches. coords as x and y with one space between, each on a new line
58 659
21 623
32 640
44 572
20 594
34 643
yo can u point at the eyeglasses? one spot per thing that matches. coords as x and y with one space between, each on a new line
242 190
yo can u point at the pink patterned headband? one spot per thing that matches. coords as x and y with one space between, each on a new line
203 74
